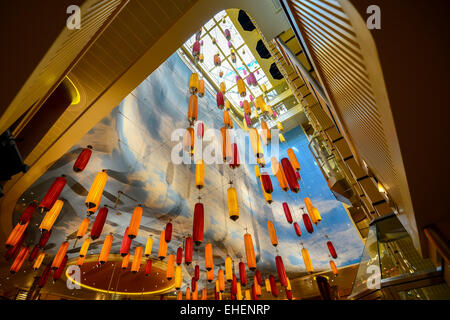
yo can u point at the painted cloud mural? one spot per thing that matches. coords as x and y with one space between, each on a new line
134 144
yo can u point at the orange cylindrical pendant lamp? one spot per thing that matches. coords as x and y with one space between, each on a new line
162 251
210 275
60 255
16 234
250 252
125 261
277 170
193 108
85 247
293 159
83 228
333 267
136 260
228 269
135 222
209 256
106 248
221 278
170 267
272 233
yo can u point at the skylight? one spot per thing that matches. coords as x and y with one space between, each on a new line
245 61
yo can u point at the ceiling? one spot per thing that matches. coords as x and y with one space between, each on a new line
133 143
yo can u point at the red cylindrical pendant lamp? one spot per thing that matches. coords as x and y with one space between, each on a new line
266 182
168 233
287 212
332 249
290 175
126 243
242 273
188 248
99 222
198 223
83 159
53 193
281 271
28 212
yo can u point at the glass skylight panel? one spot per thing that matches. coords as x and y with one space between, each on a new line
220 15
209 24
245 63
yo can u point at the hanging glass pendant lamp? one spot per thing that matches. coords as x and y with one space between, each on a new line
95 192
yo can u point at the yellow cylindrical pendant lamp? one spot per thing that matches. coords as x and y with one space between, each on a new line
148 247
227 104
178 277
38 262
51 216
95 192
239 291
233 206
241 87
307 261
280 126
310 209
317 214
193 83
200 174
255 142
257 172
267 283
267 196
